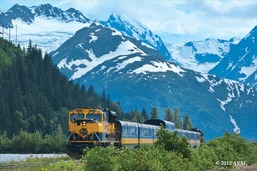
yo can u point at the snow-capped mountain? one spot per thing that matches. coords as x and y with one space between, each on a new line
28 15
200 56
94 45
137 76
45 25
133 28
240 63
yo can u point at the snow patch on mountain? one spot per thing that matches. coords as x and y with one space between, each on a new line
93 38
200 79
225 102
124 49
236 128
159 67
247 71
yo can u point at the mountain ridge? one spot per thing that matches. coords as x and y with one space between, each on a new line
28 15
240 63
137 31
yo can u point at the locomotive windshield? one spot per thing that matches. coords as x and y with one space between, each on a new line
95 117
76 116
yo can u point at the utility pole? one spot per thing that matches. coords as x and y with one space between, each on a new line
9 34
16 35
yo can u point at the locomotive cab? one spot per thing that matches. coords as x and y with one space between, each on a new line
87 124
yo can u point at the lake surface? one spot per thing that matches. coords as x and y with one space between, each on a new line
22 157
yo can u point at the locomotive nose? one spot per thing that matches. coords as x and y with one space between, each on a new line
83 131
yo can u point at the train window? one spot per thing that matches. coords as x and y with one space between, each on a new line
76 116
124 130
133 131
188 135
143 132
148 131
95 117
128 130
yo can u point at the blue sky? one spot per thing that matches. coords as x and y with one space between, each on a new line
176 20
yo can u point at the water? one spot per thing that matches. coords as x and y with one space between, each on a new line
22 157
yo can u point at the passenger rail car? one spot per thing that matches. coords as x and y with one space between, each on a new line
195 136
94 127
135 134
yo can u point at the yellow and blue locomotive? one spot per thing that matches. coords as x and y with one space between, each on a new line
90 127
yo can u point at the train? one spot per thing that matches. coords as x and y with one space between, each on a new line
90 127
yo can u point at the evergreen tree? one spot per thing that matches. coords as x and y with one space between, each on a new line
144 114
187 125
115 106
103 97
29 46
134 116
91 91
21 122
168 115
108 102
177 119
154 113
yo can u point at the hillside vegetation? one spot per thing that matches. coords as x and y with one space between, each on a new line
35 96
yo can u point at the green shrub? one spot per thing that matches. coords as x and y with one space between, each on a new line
100 159
171 142
204 158
147 158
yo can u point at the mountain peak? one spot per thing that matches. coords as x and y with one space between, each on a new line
28 15
252 35
20 11
47 5
240 63
114 17
17 7
135 29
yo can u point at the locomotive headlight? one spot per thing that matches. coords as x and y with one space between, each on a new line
84 123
